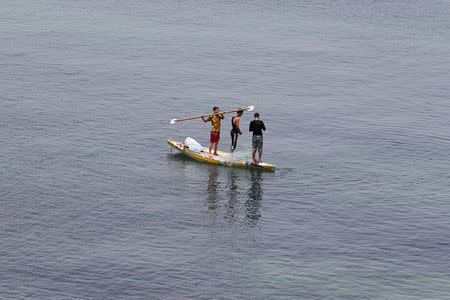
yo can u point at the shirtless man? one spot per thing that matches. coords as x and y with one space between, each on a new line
235 131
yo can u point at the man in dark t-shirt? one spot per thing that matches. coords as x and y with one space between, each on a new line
257 126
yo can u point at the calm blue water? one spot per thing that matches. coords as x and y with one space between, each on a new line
356 100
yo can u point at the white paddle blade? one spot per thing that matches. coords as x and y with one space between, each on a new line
173 121
250 108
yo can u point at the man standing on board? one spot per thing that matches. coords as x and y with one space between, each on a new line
215 129
235 130
257 126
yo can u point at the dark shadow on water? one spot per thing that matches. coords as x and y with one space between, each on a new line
233 193
243 190
255 196
212 189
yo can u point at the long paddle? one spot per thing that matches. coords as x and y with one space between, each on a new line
250 108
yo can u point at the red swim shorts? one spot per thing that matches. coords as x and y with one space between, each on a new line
215 136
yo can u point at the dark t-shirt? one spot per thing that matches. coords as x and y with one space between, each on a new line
257 126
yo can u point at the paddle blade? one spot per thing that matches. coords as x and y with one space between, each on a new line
173 121
250 108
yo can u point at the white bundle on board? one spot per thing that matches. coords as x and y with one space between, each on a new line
193 144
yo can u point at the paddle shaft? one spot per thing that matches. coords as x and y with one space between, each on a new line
220 113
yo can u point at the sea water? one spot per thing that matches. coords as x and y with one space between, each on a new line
355 98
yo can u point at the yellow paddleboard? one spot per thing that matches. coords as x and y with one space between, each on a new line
221 158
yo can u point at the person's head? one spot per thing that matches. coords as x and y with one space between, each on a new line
240 112
256 115
215 109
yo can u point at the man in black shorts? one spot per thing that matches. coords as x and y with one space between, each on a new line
257 126
235 130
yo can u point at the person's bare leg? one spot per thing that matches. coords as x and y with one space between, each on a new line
253 156
210 147
260 155
215 148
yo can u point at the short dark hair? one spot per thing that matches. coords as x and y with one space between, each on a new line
240 112
215 107
256 115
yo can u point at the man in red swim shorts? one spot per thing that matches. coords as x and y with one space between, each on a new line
215 129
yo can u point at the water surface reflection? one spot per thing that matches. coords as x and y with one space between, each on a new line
254 197
213 189
232 204
241 198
